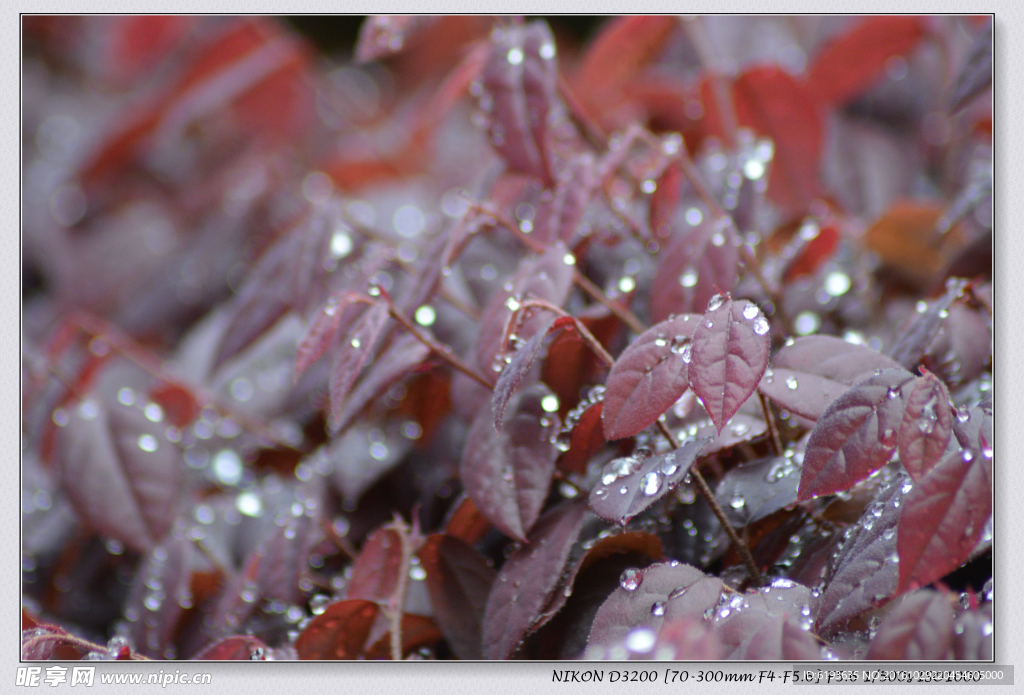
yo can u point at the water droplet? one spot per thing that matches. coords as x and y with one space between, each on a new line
658 608
147 442
761 325
791 382
640 639
569 259
153 412
648 186
601 492
515 56
737 502
806 323
750 311
688 278
623 490
962 414
669 466
837 283
547 51
651 483
425 315
512 303
893 393
715 303
609 478
630 579
967 455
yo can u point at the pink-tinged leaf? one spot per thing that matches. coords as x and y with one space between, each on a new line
651 597
121 473
352 354
972 635
404 356
528 579
924 326
753 490
962 351
458 580
927 426
648 377
381 36
856 59
813 371
548 277
754 635
560 212
507 474
236 648
519 93
375 571
49 643
340 632
334 317
664 208
856 435
697 264
944 516
865 571
516 370
742 428
973 426
356 465
687 639
585 438
730 353
161 589
919 629
976 75
631 484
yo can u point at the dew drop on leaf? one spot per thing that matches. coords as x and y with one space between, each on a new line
716 302
750 311
791 382
640 639
630 579
651 483
658 608
688 278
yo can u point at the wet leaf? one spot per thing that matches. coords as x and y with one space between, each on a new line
338 313
560 211
516 370
465 521
340 632
631 484
458 580
519 81
350 357
648 377
528 578
236 648
375 571
586 438
927 426
360 457
856 435
924 326
944 516
159 596
972 635
857 58
806 376
687 639
120 472
973 426
49 643
755 635
919 629
381 36
755 489
417 632
976 75
507 474
865 571
730 353
698 263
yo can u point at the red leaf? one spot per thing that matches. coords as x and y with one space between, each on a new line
664 205
807 375
340 632
813 254
730 353
648 377
381 36
586 436
458 580
518 366
375 571
697 264
334 317
508 474
919 629
518 94
927 426
236 648
351 356
418 631
856 435
528 578
120 472
548 277
631 484
855 60
560 211
944 516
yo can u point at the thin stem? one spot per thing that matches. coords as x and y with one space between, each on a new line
588 337
396 606
442 351
709 497
75 642
772 430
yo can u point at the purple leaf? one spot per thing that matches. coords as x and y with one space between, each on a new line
528 578
351 356
865 571
631 484
648 377
121 473
519 93
697 264
973 426
807 375
458 580
357 460
404 356
375 571
518 366
560 211
972 635
507 474
755 635
976 74
753 490
649 598
919 629
927 426
920 331
944 516
730 353
856 435
334 317
548 277
963 349
381 36
158 596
